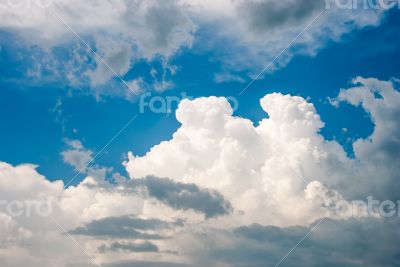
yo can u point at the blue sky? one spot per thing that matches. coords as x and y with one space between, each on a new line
128 139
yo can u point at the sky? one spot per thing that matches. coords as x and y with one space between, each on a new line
237 133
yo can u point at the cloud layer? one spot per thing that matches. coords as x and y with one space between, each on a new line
124 32
237 194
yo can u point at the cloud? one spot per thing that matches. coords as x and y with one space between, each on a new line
283 163
349 243
122 227
227 77
118 57
266 16
119 31
379 153
81 158
263 171
184 196
124 32
23 182
29 205
78 157
253 33
160 27
27 200
133 247
147 264
280 177
11 232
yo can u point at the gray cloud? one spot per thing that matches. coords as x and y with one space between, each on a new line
185 196
146 264
368 242
132 247
262 16
124 227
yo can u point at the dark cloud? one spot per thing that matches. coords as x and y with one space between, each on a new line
270 233
130 247
124 227
184 196
133 264
146 264
270 15
352 243
161 23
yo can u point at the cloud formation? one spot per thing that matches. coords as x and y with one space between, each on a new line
77 156
82 159
284 163
122 227
380 152
349 243
254 32
119 31
184 196
266 16
124 32
133 247
280 177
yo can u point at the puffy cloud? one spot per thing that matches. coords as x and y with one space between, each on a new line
263 171
23 182
11 232
28 199
282 171
30 205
